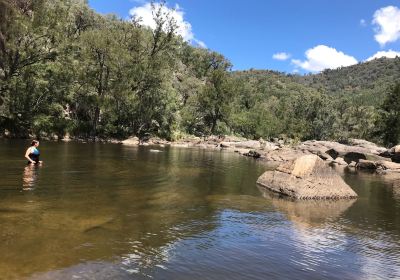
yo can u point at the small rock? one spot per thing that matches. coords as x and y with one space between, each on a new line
340 161
353 156
225 144
253 154
366 164
324 156
352 164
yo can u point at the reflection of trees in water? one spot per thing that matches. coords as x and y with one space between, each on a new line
30 176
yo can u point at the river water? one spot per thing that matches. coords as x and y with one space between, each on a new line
106 211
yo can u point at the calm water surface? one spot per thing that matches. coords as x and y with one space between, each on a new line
103 211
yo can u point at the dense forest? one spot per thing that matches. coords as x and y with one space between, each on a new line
66 70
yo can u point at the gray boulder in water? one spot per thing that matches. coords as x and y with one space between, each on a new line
307 177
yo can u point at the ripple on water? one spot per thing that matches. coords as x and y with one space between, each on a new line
111 212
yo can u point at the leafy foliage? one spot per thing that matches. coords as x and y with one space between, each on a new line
66 70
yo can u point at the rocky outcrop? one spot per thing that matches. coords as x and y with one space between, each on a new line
308 177
355 146
357 153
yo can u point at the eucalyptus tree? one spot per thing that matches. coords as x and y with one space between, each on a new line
153 63
390 117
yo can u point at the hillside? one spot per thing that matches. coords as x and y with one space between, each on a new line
335 104
369 79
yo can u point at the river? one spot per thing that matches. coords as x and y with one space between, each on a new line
107 211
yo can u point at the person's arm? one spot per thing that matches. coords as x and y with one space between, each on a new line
28 151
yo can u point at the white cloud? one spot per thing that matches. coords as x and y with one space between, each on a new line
199 43
144 13
387 21
281 56
388 54
322 57
363 22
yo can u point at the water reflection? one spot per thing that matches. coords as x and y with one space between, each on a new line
30 177
115 212
308 213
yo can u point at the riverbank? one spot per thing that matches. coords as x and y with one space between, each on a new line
357 154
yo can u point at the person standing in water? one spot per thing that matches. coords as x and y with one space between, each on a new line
32 153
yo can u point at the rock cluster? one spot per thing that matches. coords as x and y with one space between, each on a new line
357 153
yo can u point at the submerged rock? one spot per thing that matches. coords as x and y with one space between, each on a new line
308 177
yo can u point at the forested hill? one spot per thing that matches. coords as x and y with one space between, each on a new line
66 70
372 76
366 78
334 104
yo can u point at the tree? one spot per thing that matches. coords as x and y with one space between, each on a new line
390 117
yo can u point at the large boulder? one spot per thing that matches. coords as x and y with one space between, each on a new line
307 177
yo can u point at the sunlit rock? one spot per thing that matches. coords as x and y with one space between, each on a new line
308 177
131 141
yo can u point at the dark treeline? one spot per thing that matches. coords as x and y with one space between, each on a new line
66 70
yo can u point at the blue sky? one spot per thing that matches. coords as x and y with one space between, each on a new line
250 32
